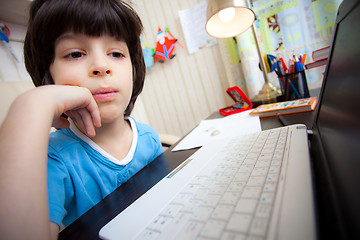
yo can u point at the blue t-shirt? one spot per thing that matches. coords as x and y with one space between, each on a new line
80 173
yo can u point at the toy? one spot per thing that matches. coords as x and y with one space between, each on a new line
164 46
242 102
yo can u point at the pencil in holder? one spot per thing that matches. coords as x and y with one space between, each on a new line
294 86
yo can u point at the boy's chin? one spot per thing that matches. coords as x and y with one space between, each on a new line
110 113
110 118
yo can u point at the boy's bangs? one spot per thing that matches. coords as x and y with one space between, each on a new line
96 18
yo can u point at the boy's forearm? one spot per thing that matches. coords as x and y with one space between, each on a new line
23 153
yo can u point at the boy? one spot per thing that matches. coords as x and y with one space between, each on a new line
96 45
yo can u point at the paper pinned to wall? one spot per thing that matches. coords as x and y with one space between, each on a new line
193 22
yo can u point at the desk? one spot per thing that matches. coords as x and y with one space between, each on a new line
88 225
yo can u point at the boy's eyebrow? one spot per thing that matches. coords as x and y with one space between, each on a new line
64 36
71 35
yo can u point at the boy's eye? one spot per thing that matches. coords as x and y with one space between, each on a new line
74 55
116 54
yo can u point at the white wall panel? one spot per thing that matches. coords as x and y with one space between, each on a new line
181 92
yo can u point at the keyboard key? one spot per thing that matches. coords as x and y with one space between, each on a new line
236 187
259 227
246 168
190 231
208 183
230 198
267 197
190 188
159 223
191 205
276 162
239 223
263 163
182 198
211 200
265 156
246 205
272 177
241 176
253 155
171 210
256 181
222 212
274 169
219 188
200 193
175 226
202 213
263 210
230 171
213 229
252 237
259 171
224 179
200 180
233 236
251 192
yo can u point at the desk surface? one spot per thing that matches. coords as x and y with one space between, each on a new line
88 225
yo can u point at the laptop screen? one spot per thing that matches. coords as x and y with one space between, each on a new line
338 125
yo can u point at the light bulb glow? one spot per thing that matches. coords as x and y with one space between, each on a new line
227 14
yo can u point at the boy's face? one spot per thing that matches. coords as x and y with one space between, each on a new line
101 64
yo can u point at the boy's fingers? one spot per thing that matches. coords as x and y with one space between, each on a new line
94 113
89 108
83 120
87 122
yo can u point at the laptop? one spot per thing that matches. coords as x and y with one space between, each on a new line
281 183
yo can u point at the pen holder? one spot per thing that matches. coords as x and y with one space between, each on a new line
294 86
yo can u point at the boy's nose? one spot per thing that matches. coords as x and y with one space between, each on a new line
101 72
99 67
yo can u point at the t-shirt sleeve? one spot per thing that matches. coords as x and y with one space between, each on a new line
157 144
57 178
149 140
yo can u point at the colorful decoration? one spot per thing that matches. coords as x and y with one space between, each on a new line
4 33
148 53
164 50
164 46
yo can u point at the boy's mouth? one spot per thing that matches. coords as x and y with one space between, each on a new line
105 94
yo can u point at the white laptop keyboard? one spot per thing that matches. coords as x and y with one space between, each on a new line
232 199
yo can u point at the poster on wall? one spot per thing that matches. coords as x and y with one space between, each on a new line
193 24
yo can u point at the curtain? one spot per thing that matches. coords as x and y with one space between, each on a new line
286 28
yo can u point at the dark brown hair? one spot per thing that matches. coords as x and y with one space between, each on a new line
51 18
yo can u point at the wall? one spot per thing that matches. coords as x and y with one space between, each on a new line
179 93
10 70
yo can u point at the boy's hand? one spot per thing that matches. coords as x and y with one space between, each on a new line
77 103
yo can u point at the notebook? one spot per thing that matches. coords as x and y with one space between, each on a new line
277 184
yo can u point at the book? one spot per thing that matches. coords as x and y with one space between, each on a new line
321 53
320 57
293 106
316 63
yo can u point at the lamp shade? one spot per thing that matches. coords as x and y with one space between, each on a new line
228 18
